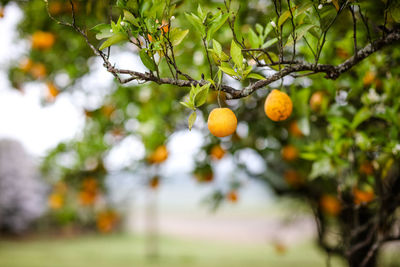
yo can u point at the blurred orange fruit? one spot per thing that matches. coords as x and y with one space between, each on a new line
159 155
43 40
293 178
52 91
278 105
107 110
90 184
26 65
205 177
1 12
55 8
217 152
366 168
55 201
341 53
232 196
38 70
222 122
363 196
87 198
295 130
330 205
369 78
154 182
106 221
290 153
316 101
280 248
60 187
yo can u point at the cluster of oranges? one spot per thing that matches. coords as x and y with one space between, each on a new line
223 122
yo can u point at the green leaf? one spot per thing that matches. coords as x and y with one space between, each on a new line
128 16
216 25
187 104
191 120
196 22
177 36
361 116
300 31
217 47
103 31
285 16
201 96
236 54
228 70
147 61
254 39
269 43
114 39
255 76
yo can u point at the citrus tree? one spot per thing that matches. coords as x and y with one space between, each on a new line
311 84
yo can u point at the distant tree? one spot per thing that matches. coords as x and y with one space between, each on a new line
22 193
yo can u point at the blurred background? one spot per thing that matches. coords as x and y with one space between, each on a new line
93 173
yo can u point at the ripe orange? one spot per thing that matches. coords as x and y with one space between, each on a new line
330 205
42 40
295 130
55 201
87 198
159 155
366 168
106 221
289 153
222 122
278 105
369 78
154 182
316 101
38 70
293 178
217 152
1 12
232 196
26 65
52 91
363 196
55 8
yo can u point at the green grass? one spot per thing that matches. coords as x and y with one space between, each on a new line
125 251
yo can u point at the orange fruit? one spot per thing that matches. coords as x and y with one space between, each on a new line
294 129
206 177
363 196
366 168
87 198
52 91
26 65
43 40
90 184
278 105
107 110
1 12
154 182
222 122
159 155
106 221
330 205
293 178
369 78
55 8
316 101
290 153
280 248
55 201
217 152
341 53
38 70
232 196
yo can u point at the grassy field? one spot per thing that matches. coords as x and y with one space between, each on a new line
125 251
